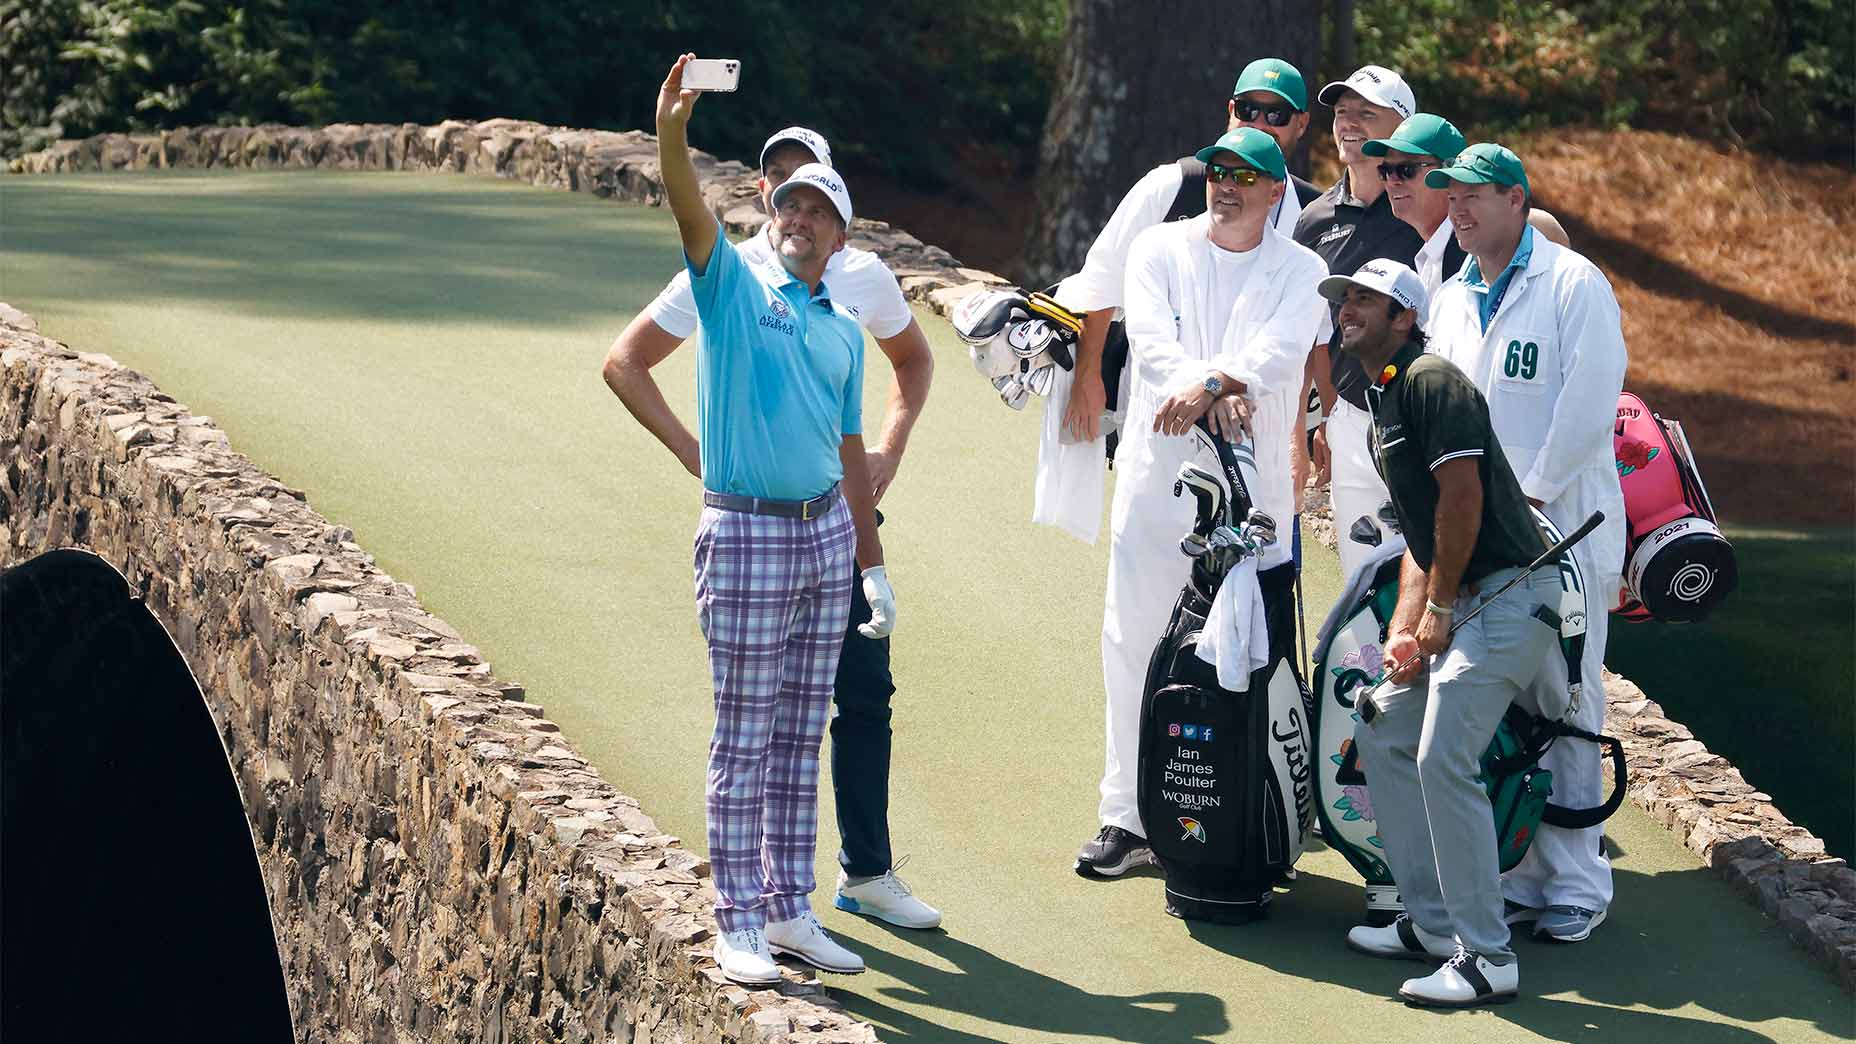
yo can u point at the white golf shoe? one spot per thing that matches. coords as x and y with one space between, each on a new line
1465 980
743 957
805 938
1401 940
886 898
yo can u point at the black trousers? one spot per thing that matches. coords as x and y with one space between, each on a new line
860 743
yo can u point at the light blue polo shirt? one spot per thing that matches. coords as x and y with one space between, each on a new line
779 379
1489 296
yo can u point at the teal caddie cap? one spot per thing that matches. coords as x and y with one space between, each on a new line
1484 163
1421 134
1276 76
1253 147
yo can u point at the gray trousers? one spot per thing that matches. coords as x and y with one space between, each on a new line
1421 757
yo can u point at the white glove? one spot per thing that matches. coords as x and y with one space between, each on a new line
882 599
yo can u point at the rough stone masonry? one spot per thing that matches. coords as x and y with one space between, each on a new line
1729 824
441 864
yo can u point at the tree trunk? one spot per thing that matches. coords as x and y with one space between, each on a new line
1141 84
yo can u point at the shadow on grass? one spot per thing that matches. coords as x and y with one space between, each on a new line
1674 939
1001 992
345 245
1768 681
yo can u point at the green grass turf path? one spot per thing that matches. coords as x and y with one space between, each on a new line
420 354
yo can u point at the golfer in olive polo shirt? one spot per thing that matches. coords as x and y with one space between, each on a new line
1468 531
779 385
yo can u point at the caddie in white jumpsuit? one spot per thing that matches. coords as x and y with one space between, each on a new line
1536 327
1220 310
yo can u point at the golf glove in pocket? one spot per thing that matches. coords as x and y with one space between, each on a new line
882 599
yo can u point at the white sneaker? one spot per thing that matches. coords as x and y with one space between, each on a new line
805 938
743 957
885 898
1465 980
1401 940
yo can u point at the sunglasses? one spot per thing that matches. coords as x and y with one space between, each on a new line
1274 115
1404 171
1243 177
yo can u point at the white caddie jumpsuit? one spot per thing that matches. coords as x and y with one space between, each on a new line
1180 329
1551 365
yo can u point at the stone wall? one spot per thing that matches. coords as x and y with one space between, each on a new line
442 865
1730 825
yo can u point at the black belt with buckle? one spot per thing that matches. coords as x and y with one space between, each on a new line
804 510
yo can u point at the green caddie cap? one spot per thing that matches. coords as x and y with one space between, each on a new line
1277 77
1422 134
1484 163
1253 147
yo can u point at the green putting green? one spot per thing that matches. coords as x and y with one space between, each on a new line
420 354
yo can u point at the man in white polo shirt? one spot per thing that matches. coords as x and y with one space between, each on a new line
1537 328
863 285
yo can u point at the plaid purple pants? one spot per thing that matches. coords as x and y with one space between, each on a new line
774 598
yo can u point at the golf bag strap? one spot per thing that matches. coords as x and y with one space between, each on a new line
1189 201
1580 818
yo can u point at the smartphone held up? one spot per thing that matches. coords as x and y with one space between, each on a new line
711 74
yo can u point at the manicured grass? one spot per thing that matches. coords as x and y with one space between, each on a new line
420 355
1768 681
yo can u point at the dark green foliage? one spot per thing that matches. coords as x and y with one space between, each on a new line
902 84
883 79
1776 74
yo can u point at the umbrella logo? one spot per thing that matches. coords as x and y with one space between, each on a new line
1195 830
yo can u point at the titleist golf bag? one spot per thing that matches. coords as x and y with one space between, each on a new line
1677 565
1349 657
1224 788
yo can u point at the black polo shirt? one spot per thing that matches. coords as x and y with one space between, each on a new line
1429 412
1347 234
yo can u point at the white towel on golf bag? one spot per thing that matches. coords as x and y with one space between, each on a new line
1235 639
1070 475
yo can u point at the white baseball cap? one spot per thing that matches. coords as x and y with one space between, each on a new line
825 180
1382 275
811 140
1377 84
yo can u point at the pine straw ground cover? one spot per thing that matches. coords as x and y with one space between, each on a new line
1738 287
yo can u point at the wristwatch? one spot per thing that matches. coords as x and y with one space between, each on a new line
1214 385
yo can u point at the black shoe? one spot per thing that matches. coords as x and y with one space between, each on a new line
1113 852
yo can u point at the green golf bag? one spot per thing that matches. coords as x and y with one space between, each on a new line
1349 657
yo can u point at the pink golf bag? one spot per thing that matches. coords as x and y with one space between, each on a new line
1677 565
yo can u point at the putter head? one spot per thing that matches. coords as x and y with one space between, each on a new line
1364 532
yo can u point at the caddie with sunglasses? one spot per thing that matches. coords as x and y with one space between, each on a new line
1269 96
1423 143
1220 311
